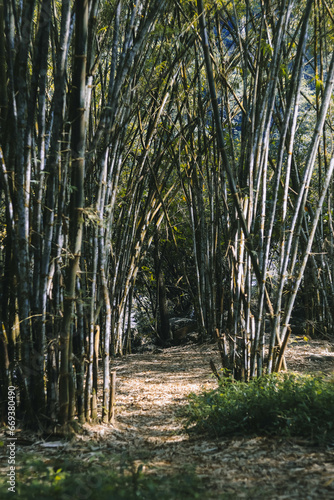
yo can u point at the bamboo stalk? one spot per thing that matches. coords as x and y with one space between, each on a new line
112 397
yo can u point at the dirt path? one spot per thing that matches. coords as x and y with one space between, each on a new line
150 390
148 432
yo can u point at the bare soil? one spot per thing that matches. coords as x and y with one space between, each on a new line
151 388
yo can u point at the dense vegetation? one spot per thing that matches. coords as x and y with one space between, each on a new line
160 158
62 479
283 405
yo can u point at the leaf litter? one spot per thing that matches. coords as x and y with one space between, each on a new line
148 431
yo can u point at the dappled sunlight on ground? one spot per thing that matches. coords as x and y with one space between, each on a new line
152 387
148 431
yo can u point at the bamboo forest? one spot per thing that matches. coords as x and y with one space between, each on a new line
163 162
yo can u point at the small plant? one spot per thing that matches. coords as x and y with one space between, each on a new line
74 479
279 404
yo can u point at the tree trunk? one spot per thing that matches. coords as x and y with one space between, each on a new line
78 141
163 323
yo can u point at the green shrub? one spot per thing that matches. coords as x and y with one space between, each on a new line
73 479
279 404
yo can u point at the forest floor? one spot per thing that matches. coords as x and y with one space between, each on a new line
148 431
150 391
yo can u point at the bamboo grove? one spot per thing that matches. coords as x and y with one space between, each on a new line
159 155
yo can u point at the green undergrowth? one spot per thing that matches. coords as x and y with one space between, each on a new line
74 479
285 404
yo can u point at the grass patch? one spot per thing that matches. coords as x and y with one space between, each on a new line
72 479
284 404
